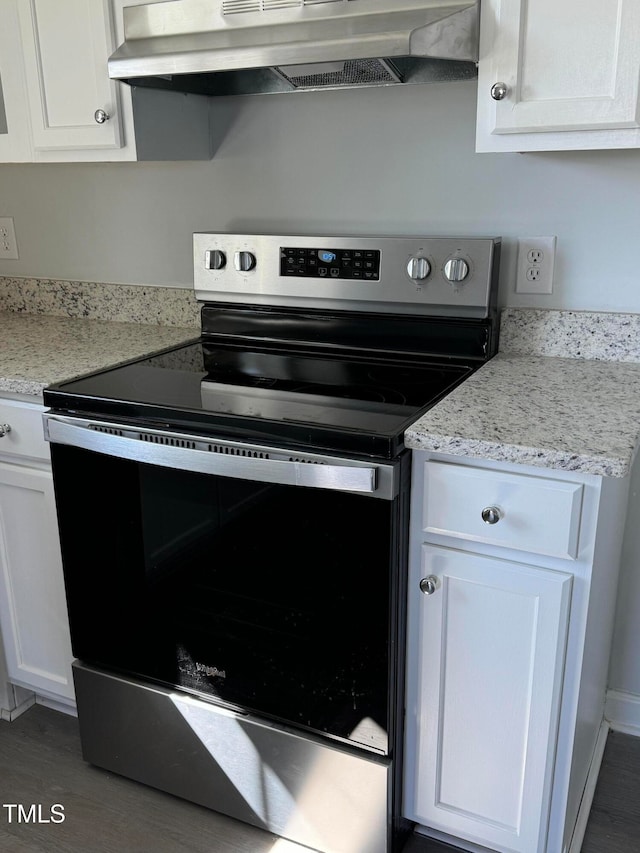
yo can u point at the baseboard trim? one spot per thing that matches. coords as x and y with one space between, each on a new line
589 790
622 712
56 705
11 714
452 841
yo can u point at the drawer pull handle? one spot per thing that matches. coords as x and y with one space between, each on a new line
4 430
429 584
491 514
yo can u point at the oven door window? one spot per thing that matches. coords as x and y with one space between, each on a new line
275 599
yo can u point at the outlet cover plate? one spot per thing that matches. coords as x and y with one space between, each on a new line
8 244
536 260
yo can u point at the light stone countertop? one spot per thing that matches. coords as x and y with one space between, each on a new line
565 413
564 392
118 303
37 350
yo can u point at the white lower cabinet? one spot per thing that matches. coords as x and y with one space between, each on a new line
33 612
512 586
489 662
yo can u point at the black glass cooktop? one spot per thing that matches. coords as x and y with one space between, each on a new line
333 401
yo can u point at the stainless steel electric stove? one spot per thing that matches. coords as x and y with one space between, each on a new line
233 516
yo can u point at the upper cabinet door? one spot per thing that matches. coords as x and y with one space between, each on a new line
66 45
15 142
571 74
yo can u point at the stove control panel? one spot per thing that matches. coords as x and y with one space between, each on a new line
362 264
445 276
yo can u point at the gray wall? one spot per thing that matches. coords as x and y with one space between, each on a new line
361 162
368 161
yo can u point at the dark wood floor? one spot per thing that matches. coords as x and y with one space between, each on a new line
41 764
614 822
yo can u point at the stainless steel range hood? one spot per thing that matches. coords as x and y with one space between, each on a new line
221 47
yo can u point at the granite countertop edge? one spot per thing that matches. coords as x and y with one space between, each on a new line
545 411
537 457
549 412
29 364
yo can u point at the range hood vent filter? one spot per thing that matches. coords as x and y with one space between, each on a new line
235 7
354 72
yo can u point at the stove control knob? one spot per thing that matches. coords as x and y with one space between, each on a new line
456 269
244 261
214 259
418 268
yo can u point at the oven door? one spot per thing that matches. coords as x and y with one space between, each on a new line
260 579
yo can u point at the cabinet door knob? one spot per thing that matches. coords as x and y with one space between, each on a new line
499 91
101 116
491 514
4 429
429 584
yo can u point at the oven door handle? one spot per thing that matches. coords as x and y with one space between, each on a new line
155 447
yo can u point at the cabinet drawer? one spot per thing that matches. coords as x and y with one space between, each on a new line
26 437
534 514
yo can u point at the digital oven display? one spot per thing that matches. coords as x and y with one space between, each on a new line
330 263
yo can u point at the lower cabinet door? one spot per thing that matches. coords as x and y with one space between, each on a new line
487 642
33 611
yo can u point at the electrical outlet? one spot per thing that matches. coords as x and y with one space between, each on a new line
536 258
8 245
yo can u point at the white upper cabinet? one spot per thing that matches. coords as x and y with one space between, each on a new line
58 104
66 45
15 144
556 76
